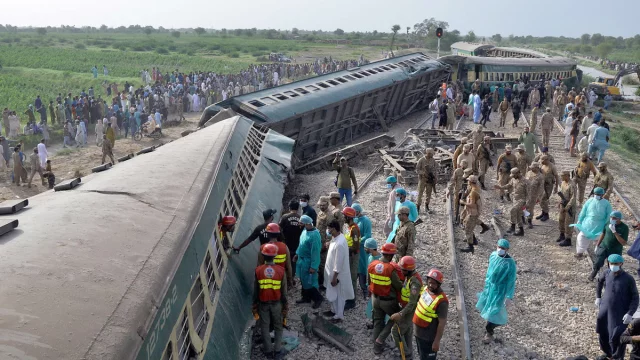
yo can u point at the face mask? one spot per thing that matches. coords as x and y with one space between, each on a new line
388 186
397 198
328 233
614 268
501 252
598 197
355 219
613 222
303 204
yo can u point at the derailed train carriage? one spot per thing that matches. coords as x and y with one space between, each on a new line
130 264
335 109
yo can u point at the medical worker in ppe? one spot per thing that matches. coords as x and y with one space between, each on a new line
499 289
307 261
364 224
593 217
401 200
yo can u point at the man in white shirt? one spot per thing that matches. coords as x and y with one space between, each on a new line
337 274
42 153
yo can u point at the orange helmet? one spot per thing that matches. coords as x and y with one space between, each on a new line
229 220
273 228
349 212
407 263
269 250
389 249
436 275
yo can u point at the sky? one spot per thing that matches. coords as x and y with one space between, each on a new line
518 17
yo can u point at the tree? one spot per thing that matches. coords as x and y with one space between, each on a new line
597 39
470 37
429 26
104 27
175 34
584 39
497 38
41 31
294 31
339 32
394 29
604 49
148 30
199 31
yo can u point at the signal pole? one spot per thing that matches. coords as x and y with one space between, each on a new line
439 35
438 48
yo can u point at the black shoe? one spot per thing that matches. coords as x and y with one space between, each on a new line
349 304
501 197
540 216
369 325
520 232
566 242
317 304
482 186
545 217
485 228
560 238
512 229
468 249
329 313
378 348
530 224
475 240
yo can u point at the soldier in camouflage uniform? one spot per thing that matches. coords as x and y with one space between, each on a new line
518 186
536 187
336 208
544 151
567 208
477 137
604 179
483 156
472 207
324 218
582 171
458 150
467 155
522 159
561 102
427 174
455 183
405 238
551 182
506 162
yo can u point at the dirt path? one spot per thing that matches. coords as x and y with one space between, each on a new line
65 163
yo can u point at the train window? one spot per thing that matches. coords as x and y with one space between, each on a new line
357 75
385 68
402 64
268 101
372 72
198 309
378 69
217 254
312 88
392 66
349 77
280 97
341 80
486 77
211 277
185 348
364 73
301 91
290 94
491 77
333 82
168 352
323 85
257 103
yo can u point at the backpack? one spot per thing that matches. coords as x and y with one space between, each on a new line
434 105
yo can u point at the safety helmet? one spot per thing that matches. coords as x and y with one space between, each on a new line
273 228
229 220
349 212
407 263
389 249
269 250
436 275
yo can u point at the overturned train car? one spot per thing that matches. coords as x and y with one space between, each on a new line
335 109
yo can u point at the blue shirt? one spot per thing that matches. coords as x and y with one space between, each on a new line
158 117
597 116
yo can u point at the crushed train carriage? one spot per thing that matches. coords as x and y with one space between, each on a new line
332 110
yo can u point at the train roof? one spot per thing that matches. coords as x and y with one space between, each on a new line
524 51
551 61
285 101
467 46
82 263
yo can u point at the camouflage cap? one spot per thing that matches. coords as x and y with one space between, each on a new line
403 210
323 200
430 151
472 179
515 170
334 195
535 165
463 140
520 148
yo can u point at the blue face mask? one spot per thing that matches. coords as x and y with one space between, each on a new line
398 198
328 233
388 186
501 252
614 268
598 197
355 219
613 222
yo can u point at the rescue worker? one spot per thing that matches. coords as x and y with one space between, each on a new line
604 179
534 118
536 187
546 124
259 232
270 300
477 137
283 258
336 208
458 150
353 242
384 284
504 109
401 200
427 174
472 207
409 295
544 151
226 225
324 218
483 156
615 308
364 224
371 248
518 186
611 241
392 185
593 217
467 155
499 289
551 182
529 141
405 239
506 162
522 159
307 261
582 171
566 208
430 317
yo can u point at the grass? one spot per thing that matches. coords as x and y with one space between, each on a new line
66 151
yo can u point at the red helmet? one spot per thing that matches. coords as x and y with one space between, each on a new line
269 250
389 249
349 212
407 263
436 275
273 228
229 220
